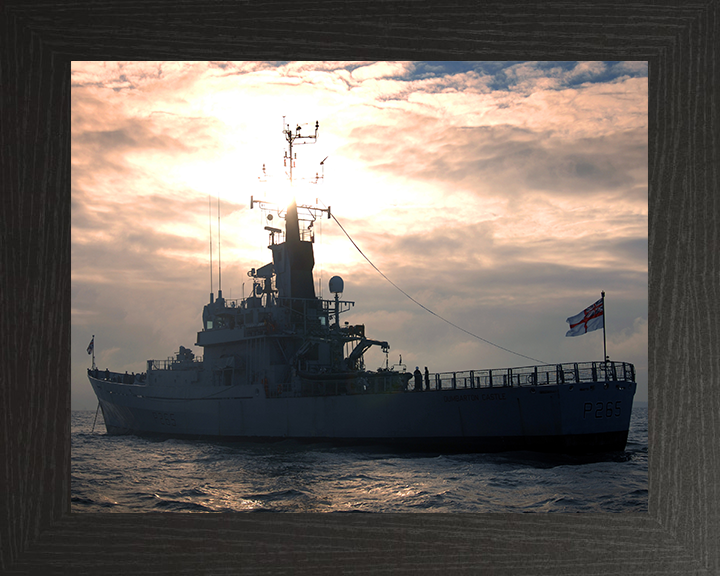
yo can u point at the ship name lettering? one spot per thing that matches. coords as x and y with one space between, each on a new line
461 398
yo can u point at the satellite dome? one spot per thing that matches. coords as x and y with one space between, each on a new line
336 285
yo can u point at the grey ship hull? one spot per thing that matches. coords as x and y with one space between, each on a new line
580 417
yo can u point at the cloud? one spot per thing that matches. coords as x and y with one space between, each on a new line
584 71
382 70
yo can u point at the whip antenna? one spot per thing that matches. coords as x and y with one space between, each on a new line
219 263
210 232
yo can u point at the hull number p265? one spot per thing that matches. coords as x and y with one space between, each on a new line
602 409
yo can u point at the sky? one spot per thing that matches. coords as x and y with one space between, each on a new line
502 196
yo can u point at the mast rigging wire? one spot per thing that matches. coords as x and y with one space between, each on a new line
425 307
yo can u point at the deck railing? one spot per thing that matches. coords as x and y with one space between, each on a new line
527 376
175 364
545 375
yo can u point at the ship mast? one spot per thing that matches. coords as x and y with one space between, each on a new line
294 257
291 138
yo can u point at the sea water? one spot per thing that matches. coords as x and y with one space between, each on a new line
134 474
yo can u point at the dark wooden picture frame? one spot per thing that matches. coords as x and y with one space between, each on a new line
679 534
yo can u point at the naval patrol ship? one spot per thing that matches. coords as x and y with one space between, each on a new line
279 364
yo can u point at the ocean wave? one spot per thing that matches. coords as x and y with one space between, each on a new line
122 474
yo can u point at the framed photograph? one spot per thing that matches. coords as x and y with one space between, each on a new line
41 531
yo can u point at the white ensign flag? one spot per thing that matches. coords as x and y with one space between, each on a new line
588 320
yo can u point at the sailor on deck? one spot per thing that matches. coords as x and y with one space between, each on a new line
418 378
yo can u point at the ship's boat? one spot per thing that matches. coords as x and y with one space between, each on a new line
279 364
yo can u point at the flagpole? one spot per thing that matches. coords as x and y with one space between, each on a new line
93 351
605 357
